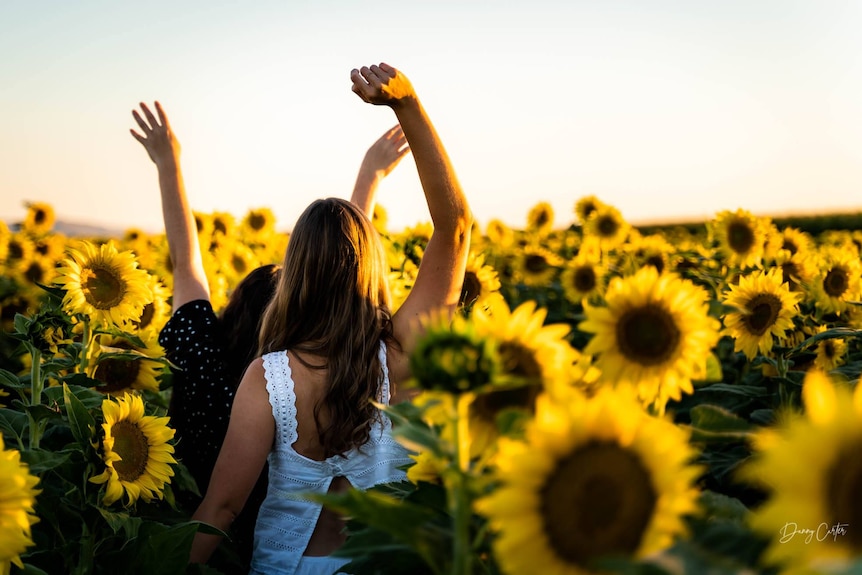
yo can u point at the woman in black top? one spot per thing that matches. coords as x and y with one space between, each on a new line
211 352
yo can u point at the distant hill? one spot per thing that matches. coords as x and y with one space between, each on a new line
78 230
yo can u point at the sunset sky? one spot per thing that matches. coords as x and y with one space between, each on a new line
665 109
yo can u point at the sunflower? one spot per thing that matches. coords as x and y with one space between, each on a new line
593 478
540 218
533 357
136 451
17 501
537 266
156 313
51 246
39 270
838 280
235 260
499 234
586 207
654 334
5 235
741 237
258 224
797 270
831 352
795 241
583 278
104 284
379 218
810 464
480 280
452 356
119 374
39 219
19 250
653 250
765 310
426 468
608 226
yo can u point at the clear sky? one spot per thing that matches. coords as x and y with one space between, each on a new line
665 109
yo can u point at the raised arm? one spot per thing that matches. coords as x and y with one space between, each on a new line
190 282
380 159
441 273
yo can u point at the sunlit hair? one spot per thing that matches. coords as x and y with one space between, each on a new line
241 318
332 301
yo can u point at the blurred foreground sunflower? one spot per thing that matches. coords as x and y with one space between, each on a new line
136 451
104 284
654 334
811 466
593 478
17 501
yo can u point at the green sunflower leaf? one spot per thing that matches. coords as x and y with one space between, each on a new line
82 423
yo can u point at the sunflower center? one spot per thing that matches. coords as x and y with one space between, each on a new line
542 219
117 374
35 273
42 248
131 445
147 315
589 209
836 282
220 226
790 246
740 237
40 216
845 506
607 226
102 286
488 405
585 279
656 261
535 263
597 502
520 361
829 349
648 335
199 224
764 309
238 264
16 252
256 222
788 272
472 288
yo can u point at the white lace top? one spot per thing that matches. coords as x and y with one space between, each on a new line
286 518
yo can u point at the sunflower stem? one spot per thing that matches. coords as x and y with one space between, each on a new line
36 386
459 494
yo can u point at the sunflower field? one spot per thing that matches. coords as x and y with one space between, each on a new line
605 401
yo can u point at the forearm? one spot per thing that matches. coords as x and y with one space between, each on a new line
446 201
204 545
364 190
179 222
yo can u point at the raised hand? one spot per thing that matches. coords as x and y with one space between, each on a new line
384 154
158 139
382 84
380 159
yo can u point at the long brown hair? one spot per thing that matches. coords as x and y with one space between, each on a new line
332 300
241 319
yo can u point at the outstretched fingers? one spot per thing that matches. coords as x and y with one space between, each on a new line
150 117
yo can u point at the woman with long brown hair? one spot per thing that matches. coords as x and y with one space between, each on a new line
210 352
330 348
